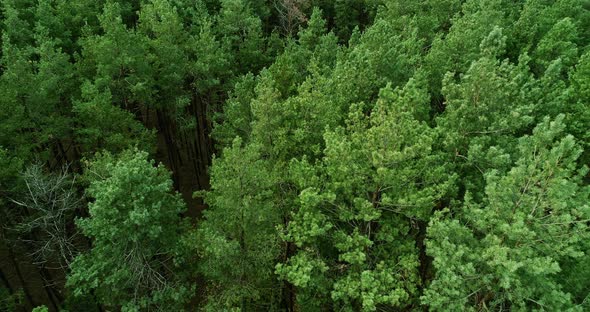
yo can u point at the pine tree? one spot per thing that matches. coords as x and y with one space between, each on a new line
139 242
359 212
238 242
507 249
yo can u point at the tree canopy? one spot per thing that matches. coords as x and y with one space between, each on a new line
294 155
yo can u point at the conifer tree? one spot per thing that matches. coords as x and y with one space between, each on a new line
138 258
507 249
238 242
358 214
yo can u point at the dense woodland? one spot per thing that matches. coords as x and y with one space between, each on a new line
294 155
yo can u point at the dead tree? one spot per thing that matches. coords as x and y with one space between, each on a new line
49 204
291 14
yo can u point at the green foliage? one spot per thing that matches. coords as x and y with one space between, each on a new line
10 166
237 238
368 166
10 301
40 309
371 155
559 42
241 31
134 207
105 126
236 119
506 250
116 59
36 81
456 50
579 117
378 176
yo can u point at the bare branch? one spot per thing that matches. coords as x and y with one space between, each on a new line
50 202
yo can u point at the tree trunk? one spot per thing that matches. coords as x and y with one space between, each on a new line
19 274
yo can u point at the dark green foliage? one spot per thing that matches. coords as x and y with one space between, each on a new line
348 155
366 173
9 302
102 125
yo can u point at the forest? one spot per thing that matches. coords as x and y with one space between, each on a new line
294 155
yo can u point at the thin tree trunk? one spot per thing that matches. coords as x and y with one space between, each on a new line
5 282
54 297
19 274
